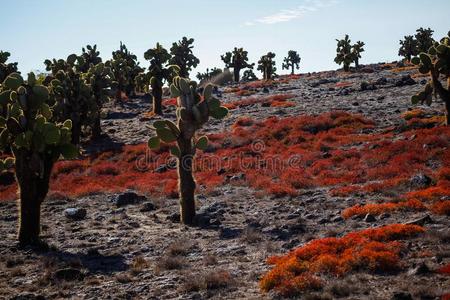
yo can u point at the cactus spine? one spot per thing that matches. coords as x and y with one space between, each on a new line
36 142
267 65
159 72
292 61
193 111
238 60
183 57
435 62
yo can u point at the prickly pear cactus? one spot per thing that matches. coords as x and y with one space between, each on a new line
99 78
267 65
408 48
183 57
249 76
424 38
193 111
72 96
292 61
344 54
159 72
436 63
36 142
357 49
91 57
238 60
6 68
209 74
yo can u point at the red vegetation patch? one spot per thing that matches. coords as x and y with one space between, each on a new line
445 270
170 102
273 100
343 84
373 250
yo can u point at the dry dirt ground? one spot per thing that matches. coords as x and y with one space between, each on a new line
137 251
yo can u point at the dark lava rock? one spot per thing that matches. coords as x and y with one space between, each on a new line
405 80
147 206
75 213
175 217
421 221
229 233
128 198
402 296
365 86
28 296
69 274
369 218
421 269
420 181
265 90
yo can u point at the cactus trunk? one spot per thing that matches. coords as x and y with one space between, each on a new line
346 67
96 128
236 74
292 69
356 63
157 99
186 181
76 132
33 190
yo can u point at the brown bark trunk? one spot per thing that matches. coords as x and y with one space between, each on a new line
96 128
186 182
293 70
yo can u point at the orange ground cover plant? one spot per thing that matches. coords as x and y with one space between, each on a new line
372 250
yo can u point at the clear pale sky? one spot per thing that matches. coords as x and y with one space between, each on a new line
36 30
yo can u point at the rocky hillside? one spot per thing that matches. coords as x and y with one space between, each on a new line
289 190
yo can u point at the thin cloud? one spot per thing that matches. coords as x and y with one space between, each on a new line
287 15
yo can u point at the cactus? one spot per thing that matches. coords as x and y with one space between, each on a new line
209 74
193 111
424 38
90 57
267 65
435 62
357 49
249 76
142 82
183 57
6 68
125 68
36 142
158 72
408 48
71 95
238 60
99 78
344 54
292 61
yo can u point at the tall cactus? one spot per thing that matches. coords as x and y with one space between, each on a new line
183 57
435 62
71 94
6 68
126 68
357 49
99 77
120 71
292 61
344 54
90 57
424 38
209 74
238 60
36 142
408 48
249 76
193 111
158 72
267 65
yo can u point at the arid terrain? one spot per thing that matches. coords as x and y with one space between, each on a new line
343 140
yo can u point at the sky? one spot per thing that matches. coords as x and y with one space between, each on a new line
37 30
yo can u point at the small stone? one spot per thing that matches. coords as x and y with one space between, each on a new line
421 221
229 233
420 181
402 296
75 213
419 270
175 217
128 198
147 206
337 219
369 218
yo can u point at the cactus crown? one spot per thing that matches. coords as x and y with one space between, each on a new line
267 65
183 57
6 68
236 59
29 123
193 111
424 38
159 70
358 48
292 60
